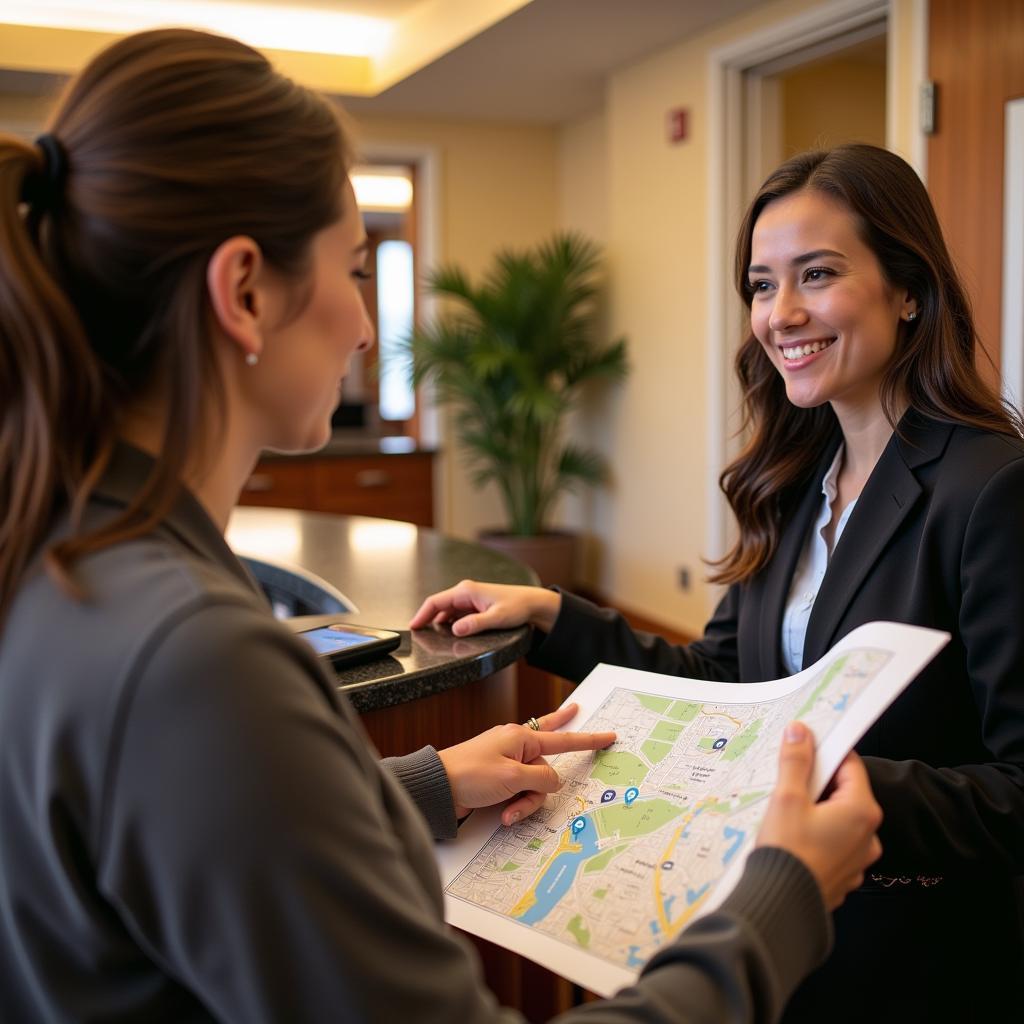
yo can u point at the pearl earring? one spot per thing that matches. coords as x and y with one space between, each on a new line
251 359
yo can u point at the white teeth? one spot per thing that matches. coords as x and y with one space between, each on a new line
799 351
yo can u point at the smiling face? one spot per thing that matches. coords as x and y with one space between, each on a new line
821 307
303 362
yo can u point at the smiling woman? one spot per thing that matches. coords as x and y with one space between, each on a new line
840 254
821 306
882 480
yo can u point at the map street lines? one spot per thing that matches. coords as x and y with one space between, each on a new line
647 835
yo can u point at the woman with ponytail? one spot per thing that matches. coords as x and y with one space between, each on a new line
882 479
192 824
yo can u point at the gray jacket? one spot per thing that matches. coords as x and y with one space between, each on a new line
194 827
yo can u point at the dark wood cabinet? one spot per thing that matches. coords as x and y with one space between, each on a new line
391 486
280 483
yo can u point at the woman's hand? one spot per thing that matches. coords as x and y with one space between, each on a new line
471 607
835 838
507 761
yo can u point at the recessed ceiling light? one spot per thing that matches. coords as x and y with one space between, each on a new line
382 191
271 25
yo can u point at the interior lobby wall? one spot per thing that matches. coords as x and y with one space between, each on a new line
498 188
653 521
845 91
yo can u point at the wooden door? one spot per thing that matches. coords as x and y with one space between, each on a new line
976 59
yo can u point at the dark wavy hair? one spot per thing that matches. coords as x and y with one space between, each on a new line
174 141
933 369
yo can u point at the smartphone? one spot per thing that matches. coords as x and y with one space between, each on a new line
342 644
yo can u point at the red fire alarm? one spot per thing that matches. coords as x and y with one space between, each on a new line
678 124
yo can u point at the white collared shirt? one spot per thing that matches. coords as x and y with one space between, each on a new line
810 570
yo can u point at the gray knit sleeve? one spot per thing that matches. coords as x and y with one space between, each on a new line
423 777
737 965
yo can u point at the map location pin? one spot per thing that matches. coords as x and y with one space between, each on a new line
578 825
631 794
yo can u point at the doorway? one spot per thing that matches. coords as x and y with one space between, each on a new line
378 395
813 97
776 92
813 100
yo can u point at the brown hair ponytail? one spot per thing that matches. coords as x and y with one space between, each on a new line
49 380
173 141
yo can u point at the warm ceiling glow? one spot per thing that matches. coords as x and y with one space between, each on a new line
382 191
267 25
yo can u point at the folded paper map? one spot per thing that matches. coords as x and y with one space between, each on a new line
653 832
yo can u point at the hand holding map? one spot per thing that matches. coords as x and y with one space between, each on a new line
836 838
649 834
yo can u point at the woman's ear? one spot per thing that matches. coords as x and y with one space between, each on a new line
908 308
232 278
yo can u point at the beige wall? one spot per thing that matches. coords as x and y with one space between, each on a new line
582 202
841 100
23 115
655 215
498 182
498 187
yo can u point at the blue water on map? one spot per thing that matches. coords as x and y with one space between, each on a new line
561 872
692 895
730 833
696 814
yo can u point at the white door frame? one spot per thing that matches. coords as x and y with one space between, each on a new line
427 162
1012 350
729 168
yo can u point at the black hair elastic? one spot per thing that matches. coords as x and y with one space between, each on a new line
42 189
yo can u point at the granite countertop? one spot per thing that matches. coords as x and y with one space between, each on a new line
359 442
386 568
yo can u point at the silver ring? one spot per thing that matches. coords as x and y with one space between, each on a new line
533 724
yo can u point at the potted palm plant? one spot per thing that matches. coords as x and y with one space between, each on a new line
512 356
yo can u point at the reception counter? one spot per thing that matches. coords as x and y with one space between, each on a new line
434 688
381 570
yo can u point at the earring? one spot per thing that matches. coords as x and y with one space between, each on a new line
912 315
251 359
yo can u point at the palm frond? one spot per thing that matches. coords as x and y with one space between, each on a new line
580 465
510 355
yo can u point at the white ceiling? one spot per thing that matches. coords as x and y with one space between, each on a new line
370 8
548 61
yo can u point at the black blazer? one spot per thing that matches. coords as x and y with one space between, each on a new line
935 539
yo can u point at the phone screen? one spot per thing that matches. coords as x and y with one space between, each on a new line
330 641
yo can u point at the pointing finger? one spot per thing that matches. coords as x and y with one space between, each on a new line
563 742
